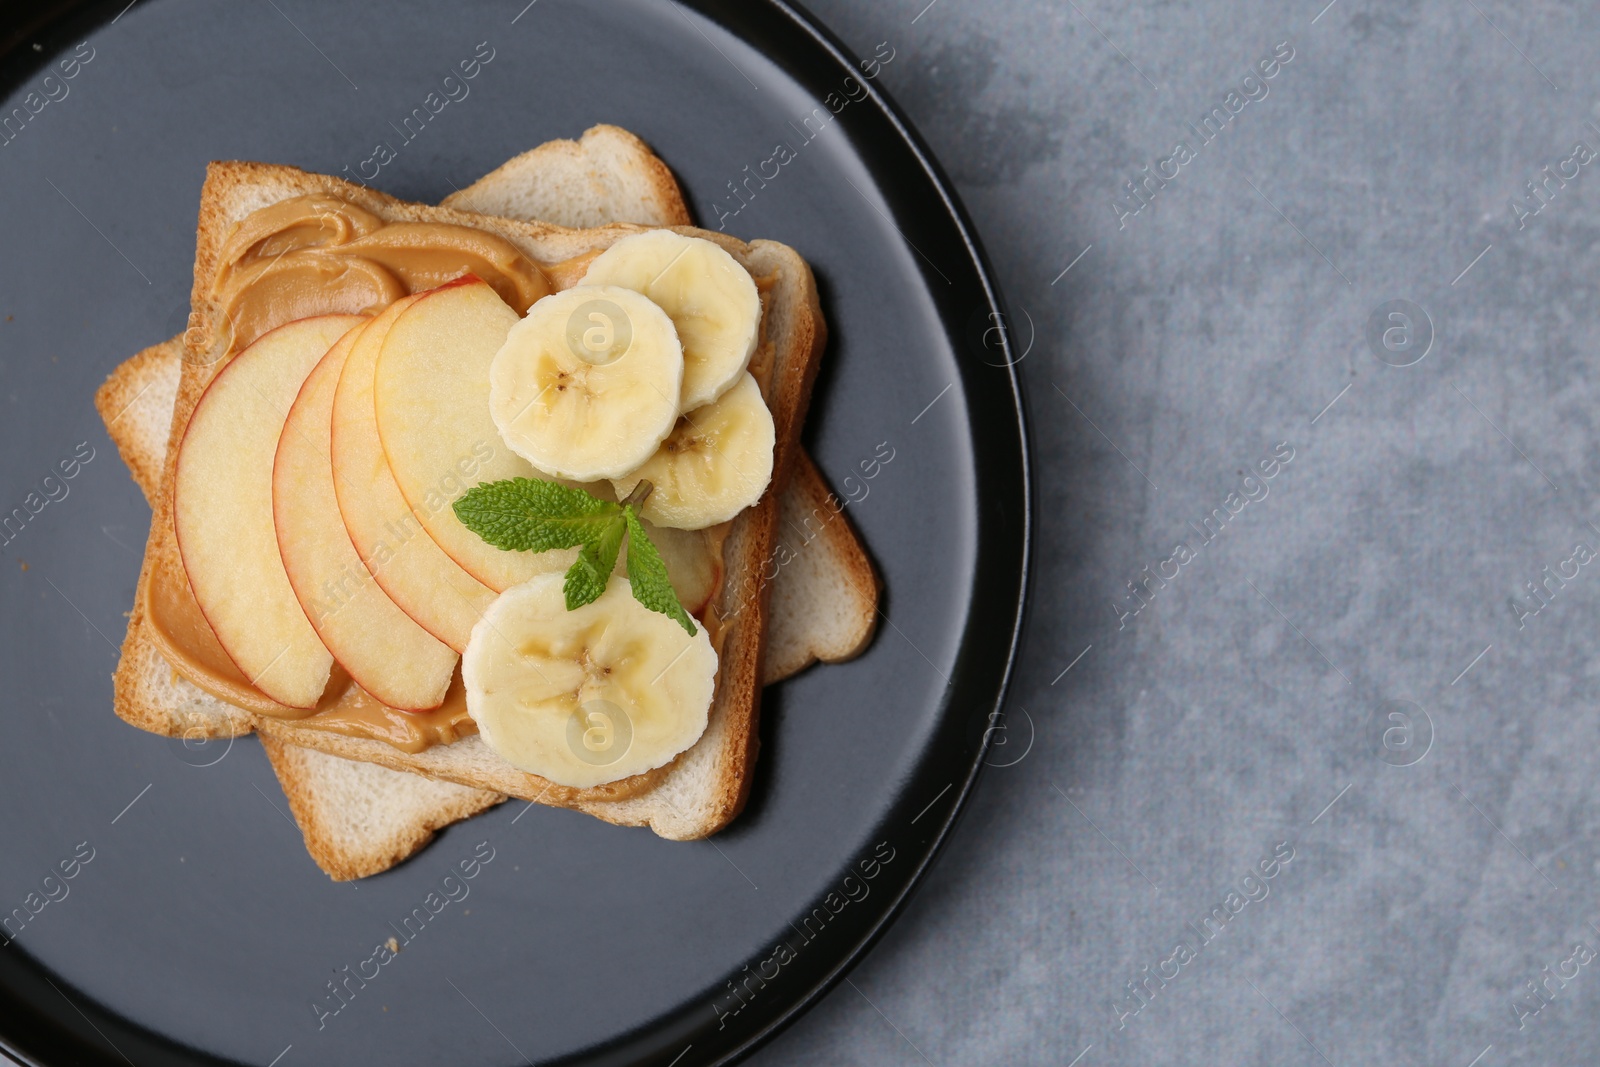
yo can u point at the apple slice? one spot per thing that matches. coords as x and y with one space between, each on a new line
694 565
413 570
222 510
381 647
431 395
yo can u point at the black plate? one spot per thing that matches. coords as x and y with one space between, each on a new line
200 931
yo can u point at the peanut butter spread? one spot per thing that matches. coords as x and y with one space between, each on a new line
320 255
186 641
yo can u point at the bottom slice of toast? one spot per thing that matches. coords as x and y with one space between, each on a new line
824 602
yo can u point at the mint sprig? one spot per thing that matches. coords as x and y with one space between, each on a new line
526 515
647 573
529 515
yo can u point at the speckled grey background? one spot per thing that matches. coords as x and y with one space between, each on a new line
1386 557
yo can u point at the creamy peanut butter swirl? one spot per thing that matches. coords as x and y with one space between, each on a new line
320 255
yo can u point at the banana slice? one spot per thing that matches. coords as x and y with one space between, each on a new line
590 696
586 386
716 462
710 298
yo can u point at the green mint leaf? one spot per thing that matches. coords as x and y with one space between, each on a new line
527 515
588 576
530 515
648 575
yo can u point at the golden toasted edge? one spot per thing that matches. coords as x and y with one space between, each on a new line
850 557
800 316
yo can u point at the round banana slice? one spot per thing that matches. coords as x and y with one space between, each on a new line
710 298
586 386
589 696
716 462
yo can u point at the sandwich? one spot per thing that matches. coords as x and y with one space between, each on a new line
366 798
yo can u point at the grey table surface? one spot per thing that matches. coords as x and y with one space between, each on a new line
1385 665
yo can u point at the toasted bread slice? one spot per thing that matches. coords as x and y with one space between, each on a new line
701 791
608 176
135 403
